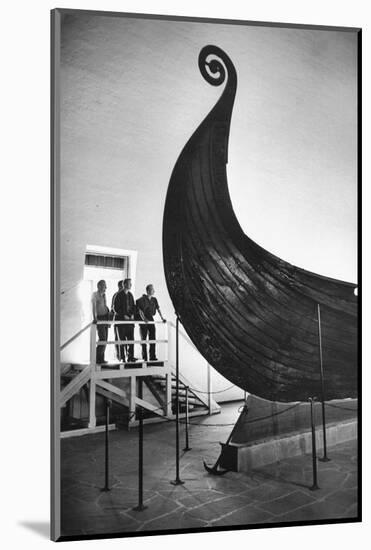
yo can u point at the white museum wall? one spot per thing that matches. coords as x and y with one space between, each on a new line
122 129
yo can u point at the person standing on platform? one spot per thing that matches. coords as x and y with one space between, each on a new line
120 285
100 313
147 307
124 309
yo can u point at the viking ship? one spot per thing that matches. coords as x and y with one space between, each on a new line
253 316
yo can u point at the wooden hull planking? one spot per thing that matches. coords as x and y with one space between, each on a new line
252 315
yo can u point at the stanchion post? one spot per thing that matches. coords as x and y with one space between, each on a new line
177 480
187 447
314 487
209 388
140 506
325 457
106 472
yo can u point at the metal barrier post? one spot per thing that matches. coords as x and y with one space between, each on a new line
187 447
106 475
209 387
177 480
325 457
314 487
140 506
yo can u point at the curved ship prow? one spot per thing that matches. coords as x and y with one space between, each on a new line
253 316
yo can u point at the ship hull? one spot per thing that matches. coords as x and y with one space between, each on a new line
253 316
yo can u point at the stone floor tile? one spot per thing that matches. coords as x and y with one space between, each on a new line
287 503
351 480
211 511
156 507
270 492
314 511
191 500
174 520
341 499
247 515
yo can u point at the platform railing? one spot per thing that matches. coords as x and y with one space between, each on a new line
93 374
75 336
99 378
94 342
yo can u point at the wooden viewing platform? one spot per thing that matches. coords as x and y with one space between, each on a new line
118 381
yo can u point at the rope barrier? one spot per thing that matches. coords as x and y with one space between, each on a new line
248 421
211 392
253 420
239 410
233 423
341 408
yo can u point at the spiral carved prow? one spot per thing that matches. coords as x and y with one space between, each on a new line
214 70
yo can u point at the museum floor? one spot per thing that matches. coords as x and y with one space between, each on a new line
271 494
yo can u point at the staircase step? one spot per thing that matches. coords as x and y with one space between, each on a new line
190 401
162 382
193 399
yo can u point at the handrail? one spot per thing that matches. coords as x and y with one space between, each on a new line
112 322
75 336
127 342
130 322
62 292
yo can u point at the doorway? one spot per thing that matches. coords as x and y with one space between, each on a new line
111 265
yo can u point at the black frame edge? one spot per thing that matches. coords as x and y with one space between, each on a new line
54 275
195 19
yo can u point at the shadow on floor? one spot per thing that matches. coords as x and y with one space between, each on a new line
42 528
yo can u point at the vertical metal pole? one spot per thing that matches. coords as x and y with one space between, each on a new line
106 476
133 393
140 506
187 447
177 480
314 487
209 388
325 457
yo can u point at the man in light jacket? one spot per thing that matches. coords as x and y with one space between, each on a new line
100 313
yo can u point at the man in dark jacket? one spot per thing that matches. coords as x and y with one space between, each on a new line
147 307
124 308
120 285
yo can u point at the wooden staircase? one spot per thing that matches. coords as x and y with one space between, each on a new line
72 381
195 404
75 380
148 385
